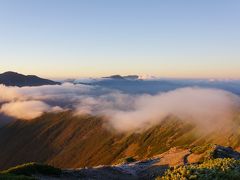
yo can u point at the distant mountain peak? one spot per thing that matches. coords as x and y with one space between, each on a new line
10 73
119 77
11 78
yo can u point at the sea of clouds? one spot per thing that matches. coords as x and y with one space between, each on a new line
206 107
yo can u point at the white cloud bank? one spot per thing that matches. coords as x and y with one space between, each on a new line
124 112
208 108
25 109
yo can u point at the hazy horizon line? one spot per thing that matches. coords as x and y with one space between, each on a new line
141 76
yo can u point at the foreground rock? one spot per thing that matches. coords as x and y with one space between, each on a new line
145 169
225 152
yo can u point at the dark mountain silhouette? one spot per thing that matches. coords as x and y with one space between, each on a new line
15 79
131 77
119 77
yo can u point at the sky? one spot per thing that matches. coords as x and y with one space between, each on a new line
83 38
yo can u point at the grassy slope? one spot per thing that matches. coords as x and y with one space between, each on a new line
70 142
25 171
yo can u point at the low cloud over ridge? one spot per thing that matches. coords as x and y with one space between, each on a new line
25 109
124 112
208 108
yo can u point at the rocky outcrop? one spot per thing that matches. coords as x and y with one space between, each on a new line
224 152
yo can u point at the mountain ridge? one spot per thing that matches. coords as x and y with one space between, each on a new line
11 78
67 141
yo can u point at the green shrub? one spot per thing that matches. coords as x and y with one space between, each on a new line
33 168
129 160
126 160
201 149
15 177
211 169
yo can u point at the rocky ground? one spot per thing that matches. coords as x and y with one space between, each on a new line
146 169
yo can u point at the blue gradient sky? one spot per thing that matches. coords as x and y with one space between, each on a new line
76 38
